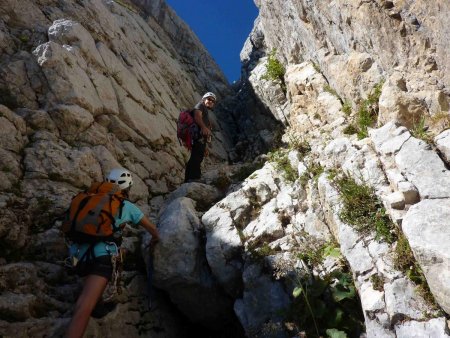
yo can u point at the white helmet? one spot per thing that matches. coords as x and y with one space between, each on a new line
121 177
209 94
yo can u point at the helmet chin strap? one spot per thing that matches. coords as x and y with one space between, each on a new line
126 192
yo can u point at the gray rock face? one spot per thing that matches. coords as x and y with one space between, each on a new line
262 303
433 328
345 42
181 268
426 227
443 143
390 160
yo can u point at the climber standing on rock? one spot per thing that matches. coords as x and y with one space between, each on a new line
203 137
94 227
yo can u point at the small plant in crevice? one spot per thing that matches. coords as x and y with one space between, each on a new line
350 130
420 131
316 67
241 235
313 251
254 202
368 111
347 108
275 70
313 172
377 282
405 261
363 209
299 144
222 181
258 250
282 163
331 91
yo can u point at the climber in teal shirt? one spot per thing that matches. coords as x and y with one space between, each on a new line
130 214
94 260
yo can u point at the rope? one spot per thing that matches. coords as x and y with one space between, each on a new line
115 284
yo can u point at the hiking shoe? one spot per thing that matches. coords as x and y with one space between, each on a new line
102 309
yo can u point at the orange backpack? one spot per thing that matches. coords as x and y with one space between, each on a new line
91 215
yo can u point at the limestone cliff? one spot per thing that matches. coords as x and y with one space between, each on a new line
86 86
364 100
364 93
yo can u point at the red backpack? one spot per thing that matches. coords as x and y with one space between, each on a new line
187 129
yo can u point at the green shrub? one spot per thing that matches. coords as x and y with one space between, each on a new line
362 209
350 130
327 306
325 303
275 70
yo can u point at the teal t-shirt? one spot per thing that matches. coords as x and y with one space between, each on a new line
130 213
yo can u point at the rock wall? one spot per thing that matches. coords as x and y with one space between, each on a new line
357 44
256 236
335 54
89 85
86 86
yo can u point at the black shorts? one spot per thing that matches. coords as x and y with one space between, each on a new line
100 266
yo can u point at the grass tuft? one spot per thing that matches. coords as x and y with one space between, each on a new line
368 111
420 131
282 163
363 209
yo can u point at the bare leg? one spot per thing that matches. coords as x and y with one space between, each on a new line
92 291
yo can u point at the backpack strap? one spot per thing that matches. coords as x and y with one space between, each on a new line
89 254
82 204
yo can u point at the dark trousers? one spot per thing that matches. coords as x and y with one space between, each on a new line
193 171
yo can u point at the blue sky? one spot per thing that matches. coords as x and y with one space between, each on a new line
222 26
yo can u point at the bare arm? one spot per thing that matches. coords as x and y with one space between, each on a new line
198 117
151 228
